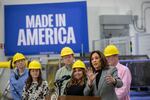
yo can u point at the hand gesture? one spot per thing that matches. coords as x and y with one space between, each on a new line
91 76
110 80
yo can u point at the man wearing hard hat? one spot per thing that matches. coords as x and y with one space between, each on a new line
67 56
18 76
111 52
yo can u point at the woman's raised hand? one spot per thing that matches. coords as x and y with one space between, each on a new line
91 76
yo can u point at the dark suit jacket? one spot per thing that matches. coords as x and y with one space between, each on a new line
105 91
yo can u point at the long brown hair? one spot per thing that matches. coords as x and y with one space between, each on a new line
103 60
80 82
30 80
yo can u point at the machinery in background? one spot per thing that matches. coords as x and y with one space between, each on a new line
119 30
139 66
115 29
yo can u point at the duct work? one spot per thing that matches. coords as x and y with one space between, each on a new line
144 8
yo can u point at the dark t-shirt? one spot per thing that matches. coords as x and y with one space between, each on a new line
98 77
75 90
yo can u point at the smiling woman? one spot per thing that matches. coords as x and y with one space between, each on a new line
78 79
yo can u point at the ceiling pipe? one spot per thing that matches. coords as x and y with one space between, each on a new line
143 14
142 28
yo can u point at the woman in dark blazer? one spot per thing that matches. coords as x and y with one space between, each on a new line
102 79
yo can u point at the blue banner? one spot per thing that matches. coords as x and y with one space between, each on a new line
46 28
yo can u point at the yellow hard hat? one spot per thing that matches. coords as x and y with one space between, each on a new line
5 64
111 50
18 56
66 51
34 65
78 64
